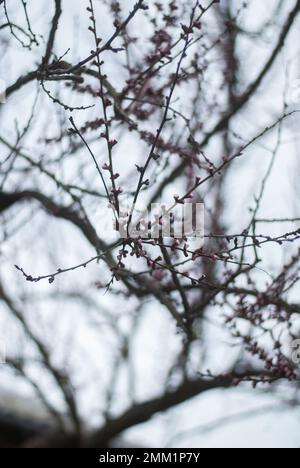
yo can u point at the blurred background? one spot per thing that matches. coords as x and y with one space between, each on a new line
82 360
